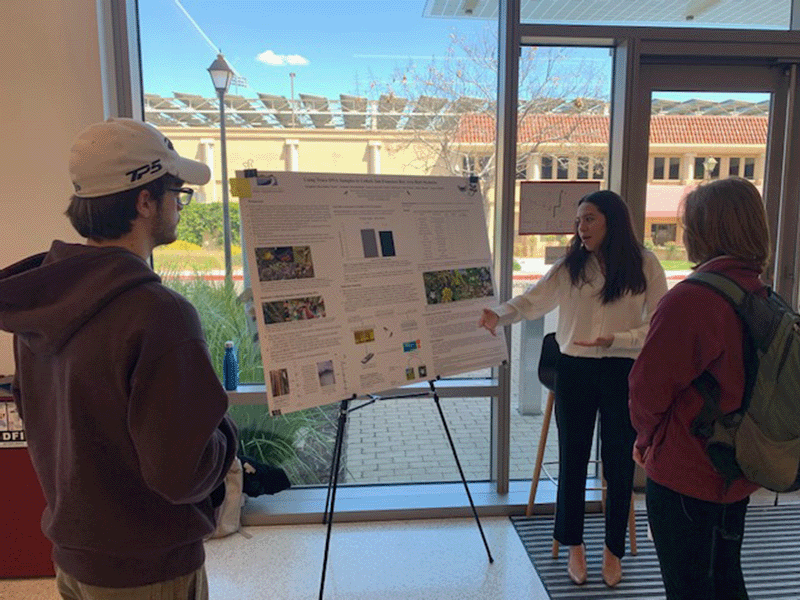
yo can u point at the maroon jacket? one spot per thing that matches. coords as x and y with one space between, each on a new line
693 329
124 415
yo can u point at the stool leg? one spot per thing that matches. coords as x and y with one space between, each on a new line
555 548
548 411
632 527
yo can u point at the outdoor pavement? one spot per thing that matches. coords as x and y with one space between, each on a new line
403 440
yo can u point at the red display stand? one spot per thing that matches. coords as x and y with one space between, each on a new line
24 551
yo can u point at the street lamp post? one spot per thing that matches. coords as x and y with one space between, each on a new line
291 80
708 164
221 75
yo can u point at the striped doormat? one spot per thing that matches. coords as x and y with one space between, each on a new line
770 557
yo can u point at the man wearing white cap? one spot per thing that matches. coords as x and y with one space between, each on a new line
124 415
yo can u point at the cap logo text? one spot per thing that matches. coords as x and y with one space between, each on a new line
139 172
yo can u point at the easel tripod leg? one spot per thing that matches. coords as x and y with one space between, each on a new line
332 488
461 472
337 451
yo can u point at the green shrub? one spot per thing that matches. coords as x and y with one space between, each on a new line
672 251
301 443
203 222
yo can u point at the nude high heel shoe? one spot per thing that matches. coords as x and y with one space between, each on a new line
612 568
576 568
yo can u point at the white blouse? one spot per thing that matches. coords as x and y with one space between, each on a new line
582 315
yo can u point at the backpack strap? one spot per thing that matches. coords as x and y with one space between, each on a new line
705 383
723 285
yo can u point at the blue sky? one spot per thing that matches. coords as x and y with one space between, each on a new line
333 47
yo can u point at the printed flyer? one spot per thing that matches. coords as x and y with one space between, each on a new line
12 433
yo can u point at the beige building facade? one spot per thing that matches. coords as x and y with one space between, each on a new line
684 151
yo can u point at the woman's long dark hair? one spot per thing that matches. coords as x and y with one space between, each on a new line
620 250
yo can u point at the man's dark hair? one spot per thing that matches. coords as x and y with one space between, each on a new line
110 217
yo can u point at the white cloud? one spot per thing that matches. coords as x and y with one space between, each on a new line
276 60
295 59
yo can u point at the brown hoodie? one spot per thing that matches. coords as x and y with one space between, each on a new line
124 415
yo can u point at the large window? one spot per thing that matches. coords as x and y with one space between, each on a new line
390 92
410 88
564 131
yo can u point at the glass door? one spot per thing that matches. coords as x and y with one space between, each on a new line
707 122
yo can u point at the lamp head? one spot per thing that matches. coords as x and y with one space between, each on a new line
221 74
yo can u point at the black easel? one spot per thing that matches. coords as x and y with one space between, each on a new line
333 481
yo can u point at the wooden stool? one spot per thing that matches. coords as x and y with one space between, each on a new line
537 470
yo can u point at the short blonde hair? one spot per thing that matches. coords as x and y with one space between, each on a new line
726 217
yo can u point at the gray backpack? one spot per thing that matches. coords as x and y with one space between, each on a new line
761 440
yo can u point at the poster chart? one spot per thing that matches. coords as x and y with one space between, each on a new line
550 206
364 283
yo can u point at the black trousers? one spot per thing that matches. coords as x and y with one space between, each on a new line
585 386
699 545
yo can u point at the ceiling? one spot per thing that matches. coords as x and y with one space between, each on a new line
764 14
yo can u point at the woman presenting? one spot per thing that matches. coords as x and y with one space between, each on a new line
606 288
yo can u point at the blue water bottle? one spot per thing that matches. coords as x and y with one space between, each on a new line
230 368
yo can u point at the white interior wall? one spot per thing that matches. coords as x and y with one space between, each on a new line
53 90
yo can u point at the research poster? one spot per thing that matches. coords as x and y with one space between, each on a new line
550 206
364 283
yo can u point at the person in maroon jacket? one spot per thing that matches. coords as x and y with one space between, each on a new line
696 519
124 414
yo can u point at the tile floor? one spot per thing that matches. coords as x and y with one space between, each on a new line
440 559
423 559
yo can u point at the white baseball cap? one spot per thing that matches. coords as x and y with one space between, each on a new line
121 154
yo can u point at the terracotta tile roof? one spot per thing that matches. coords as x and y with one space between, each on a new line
593 129
670 129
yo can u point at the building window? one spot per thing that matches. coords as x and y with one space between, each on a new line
547 167
473 165
699 169
749 168
733 168
599 170
661 233
666 167
658 167
674 167
706 167
583 167
563 168
522 169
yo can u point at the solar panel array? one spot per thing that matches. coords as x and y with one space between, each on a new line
426 113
